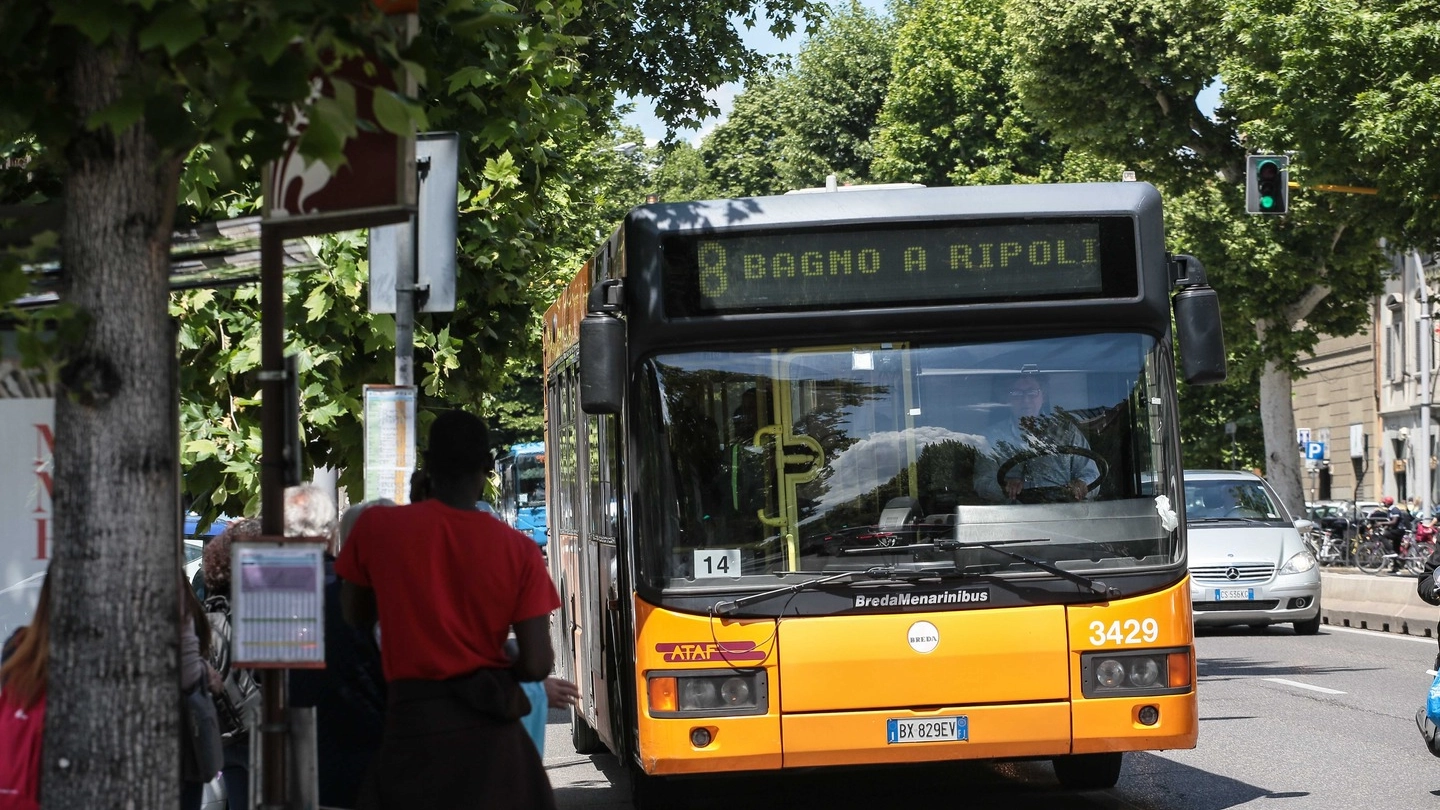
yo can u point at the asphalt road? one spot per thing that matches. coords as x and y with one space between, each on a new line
1286 723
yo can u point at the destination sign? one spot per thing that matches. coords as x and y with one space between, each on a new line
957 262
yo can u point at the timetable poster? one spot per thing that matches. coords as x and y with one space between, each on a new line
389 441
278 604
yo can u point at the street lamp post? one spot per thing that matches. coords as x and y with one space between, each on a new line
1427 329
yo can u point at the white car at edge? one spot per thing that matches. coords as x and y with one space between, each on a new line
1248 563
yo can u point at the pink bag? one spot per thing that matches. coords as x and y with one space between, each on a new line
20 735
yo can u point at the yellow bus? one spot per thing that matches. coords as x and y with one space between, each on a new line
876 477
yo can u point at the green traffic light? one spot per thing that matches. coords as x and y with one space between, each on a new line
1268 180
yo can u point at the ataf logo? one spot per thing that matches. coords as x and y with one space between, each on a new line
683 652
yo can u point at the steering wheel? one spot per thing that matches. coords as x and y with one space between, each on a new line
1051 494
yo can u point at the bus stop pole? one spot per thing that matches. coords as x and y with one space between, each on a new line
273 742
405 275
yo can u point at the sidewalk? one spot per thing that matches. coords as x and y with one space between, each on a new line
1384 602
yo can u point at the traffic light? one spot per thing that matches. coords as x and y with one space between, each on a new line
1267 184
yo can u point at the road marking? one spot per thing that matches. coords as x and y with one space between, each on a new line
1299 685
1379 634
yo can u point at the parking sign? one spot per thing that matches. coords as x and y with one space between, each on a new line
1314 451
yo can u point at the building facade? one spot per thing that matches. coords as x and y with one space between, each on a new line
1406 379
1335 401
1363 398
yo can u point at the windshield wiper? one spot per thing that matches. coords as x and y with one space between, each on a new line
877 572
1093 585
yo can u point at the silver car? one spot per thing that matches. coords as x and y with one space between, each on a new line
1248 564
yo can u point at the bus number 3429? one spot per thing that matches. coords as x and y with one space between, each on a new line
1129 631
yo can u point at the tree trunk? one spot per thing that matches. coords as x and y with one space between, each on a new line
111 736
1282 457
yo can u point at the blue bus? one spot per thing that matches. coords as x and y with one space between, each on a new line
522 489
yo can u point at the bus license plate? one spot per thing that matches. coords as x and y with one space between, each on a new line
1234 594
927 729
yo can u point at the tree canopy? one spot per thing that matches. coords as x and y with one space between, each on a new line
136 112
1122 80
949 115
794 126
1350 87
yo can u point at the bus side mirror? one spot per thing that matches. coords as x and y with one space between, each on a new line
1198 328
602 351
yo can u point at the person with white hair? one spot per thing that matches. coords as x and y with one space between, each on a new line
310 512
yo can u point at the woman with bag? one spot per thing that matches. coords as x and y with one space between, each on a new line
23 678
201 756
240 688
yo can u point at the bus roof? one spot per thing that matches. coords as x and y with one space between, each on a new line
901 204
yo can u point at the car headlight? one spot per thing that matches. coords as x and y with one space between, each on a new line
1298 564
1133 674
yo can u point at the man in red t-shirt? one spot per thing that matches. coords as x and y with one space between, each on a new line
447 583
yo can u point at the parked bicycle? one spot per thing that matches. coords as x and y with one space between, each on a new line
1330 548
1374 554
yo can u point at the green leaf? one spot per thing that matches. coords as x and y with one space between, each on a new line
343 93
414 69
177 28
317 304
324 136
202 449
325 414
97 21
502 170
468 76
270 41
391 112
119 116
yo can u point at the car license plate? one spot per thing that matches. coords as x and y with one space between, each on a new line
927 729
1234 594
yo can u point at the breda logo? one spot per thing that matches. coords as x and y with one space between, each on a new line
923 637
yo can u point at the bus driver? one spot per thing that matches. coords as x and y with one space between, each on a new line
1030 442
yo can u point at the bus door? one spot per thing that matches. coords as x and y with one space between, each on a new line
818 401
598 621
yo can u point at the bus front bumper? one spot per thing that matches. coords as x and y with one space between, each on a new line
825 739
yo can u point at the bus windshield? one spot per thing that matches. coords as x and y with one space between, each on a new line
829 458
530 479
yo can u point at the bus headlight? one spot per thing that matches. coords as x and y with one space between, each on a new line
1110 674
707 693
1143 672
1132 674
736 692
698 693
